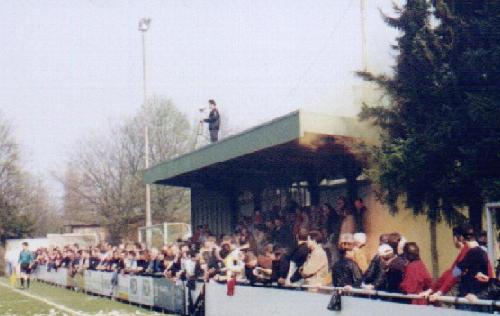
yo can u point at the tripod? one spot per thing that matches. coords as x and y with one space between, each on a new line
201 137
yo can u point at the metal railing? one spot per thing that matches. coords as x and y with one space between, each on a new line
383 294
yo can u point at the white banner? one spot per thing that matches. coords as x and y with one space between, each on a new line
134 295
141 290
147 292
92 281
98 282
123 285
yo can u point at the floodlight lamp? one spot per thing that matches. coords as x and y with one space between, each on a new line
144 24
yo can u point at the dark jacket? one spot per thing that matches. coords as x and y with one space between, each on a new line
377 274
375 271
475 261
280 269
491 292
93 263
298 256
395 274
346 272
213 120
156 266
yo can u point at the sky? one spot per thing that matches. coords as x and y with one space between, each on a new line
73 67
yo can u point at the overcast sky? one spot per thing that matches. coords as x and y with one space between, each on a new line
72 67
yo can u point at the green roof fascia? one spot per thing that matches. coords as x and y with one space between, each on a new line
325 124
275 132
281 130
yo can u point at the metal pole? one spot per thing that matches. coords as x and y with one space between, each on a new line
364 59
146 135
144 65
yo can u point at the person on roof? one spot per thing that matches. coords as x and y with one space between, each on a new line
213 121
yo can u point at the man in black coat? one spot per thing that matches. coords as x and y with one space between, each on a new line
345 271
213 121
299 254
280 266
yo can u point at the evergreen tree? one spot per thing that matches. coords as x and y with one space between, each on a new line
412 160
440 128
469 31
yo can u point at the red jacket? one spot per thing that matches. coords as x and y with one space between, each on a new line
447 280
416 280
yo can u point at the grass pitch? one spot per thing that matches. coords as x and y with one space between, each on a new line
43 299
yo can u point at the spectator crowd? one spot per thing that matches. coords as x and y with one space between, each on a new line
296 246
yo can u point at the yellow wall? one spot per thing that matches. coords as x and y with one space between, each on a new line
413 228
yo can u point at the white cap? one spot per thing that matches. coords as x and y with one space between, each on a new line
384 250
360 238
346 237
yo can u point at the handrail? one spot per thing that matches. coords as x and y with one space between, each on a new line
375 293
442 299
372 293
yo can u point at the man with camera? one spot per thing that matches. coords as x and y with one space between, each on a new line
213 121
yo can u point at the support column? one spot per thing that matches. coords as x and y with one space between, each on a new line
314 190
352 189
257 199
234 207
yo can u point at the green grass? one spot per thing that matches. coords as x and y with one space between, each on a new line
14 303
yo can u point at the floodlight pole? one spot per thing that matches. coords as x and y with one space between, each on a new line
364 57
143 28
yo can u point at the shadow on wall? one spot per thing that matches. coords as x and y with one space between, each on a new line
378 221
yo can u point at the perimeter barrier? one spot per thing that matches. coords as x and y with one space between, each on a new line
179 297
148 291
321 301
59 277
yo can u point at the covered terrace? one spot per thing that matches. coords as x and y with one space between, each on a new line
300 150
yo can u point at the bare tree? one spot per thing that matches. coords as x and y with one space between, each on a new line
25 205
41 208
104 176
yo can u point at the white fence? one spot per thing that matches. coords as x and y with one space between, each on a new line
261 301
59 277
148 291
247 300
